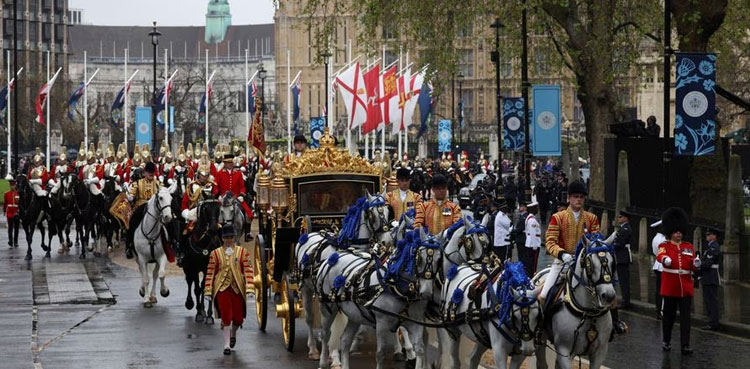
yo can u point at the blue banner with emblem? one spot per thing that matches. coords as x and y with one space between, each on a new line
695 104
444 135
513 132
546 121
143 125
317 125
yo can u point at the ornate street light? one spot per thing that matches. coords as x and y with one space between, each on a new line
155 34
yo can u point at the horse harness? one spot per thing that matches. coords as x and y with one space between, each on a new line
158 223
197 237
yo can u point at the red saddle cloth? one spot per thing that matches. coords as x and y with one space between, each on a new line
167 247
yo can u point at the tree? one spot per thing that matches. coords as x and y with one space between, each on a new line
595 40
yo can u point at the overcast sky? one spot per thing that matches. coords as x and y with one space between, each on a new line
168 12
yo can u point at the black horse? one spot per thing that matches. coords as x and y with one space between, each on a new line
107 224
86 211
32 213
198 244
61 212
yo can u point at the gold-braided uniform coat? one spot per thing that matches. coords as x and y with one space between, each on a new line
564 232
436 217
229 271
393 199
143 189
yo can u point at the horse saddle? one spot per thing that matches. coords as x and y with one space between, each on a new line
167 247
552 304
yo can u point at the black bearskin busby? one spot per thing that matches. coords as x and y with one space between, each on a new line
674 220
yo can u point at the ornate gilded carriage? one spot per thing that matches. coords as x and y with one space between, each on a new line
306 194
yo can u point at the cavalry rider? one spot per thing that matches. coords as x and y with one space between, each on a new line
112 167
402 199
140 192
437 214
231 179
58 171
38 176
565 230
188 155
81 159
300 144
167 166
229 281
92 173
218 163
182 167
10 208
193 194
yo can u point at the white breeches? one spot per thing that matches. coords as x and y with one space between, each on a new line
38 190
190 214
554 271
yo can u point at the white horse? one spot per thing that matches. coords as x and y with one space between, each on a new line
231 212
375 294
314 248
505 317
584 324
148 244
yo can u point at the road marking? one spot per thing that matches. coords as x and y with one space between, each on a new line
35 337
65 333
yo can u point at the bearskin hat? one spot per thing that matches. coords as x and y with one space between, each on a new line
674 220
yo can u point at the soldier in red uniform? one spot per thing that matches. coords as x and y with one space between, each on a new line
680 261
231 179
10 208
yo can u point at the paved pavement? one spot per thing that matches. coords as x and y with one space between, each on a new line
111 329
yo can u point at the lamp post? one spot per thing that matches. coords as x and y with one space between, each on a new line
461 106
525 93
262 76
155 42
495 57
326 55
16 148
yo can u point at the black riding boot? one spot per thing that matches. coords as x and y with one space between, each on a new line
135 221
174 238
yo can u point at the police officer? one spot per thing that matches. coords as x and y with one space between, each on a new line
622 254
710 278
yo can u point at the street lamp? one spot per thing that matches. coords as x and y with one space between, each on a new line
495 57
525 93
262 76
326 55
154 41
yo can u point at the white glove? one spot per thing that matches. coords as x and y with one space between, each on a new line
243 169
667 261
697 263
131 198
567 258
161 178
170 181
51 183
241 199
117 178
36 181
94 180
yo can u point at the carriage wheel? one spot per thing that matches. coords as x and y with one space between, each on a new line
285 310
260 282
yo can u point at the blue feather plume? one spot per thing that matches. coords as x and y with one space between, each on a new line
333 259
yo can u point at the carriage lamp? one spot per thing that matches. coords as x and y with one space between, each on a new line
391 183
279 195
264 188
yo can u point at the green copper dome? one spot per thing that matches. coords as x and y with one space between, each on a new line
218 20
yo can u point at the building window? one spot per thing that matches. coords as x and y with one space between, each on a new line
466 63
390 57
541 62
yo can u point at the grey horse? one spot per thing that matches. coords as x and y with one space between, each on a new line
505 317
372 293
314 248
582 326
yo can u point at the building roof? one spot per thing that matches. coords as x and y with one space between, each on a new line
111 41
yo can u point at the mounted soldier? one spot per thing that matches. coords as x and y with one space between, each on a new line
140 192
167 163
92 173
58 171
81 159
182 169
38 176
194 193
230 179
218 163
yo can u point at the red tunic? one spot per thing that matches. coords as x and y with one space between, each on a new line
676 278
44 177
232 180
10 206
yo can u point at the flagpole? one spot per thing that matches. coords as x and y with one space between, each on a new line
166 98
125 108
367 135
85 102
49 97
400 153
406 124
247 106
207 102
288 102
349 145
382 133
7 109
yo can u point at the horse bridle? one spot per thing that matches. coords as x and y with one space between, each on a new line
431 248
380 205
605 273
202 251
466 243
525 305
159 222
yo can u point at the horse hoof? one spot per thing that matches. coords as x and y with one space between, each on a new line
47 255
28 257
189 304
142 292
411 364
148 304
313 356
164 293
110 248
209 321
199 318
89 248
61 250
399 356
152 299
82 256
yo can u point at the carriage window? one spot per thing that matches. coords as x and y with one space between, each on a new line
329 197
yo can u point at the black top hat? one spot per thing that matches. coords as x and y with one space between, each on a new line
674 220
228 231
150 167
577 187
300 138
403 173
228 158
439 181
